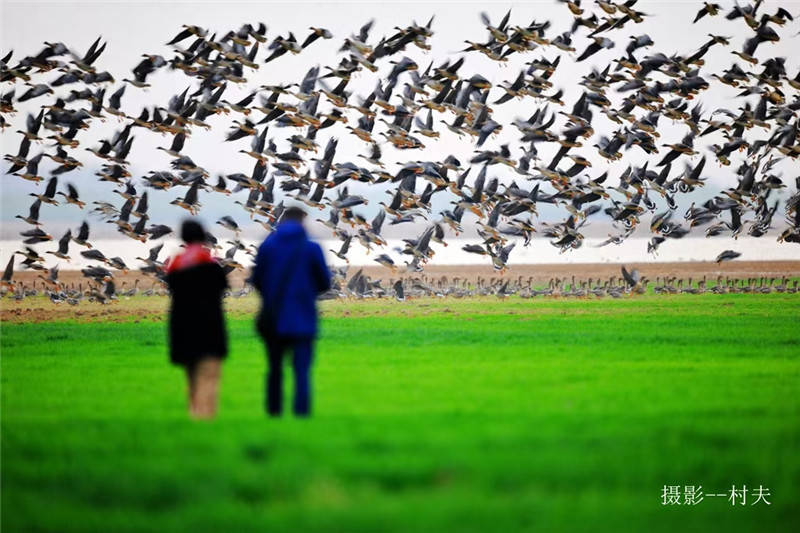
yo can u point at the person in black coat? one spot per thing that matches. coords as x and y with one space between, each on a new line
198 340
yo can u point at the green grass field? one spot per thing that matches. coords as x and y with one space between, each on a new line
475 415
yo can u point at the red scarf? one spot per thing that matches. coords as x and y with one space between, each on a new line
194 254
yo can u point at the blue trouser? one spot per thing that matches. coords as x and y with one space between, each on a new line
301 364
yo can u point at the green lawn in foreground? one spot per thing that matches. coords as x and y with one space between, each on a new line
476 415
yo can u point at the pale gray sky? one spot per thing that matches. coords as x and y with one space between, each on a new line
133 28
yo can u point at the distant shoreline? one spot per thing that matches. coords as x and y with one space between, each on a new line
539 252
539 273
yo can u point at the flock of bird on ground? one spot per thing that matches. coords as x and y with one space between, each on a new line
408 104
361 286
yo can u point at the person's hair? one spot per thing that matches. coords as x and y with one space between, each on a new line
192 232
294 213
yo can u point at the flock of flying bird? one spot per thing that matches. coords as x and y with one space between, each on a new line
629 96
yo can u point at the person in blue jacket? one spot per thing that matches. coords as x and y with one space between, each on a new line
290 272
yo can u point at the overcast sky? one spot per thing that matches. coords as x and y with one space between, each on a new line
134 28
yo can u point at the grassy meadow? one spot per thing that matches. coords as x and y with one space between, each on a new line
431 415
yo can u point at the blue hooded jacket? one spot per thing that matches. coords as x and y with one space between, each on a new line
288 256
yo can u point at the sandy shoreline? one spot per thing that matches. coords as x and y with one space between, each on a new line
540 273
40 309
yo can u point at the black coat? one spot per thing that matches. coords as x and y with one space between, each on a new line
196 322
